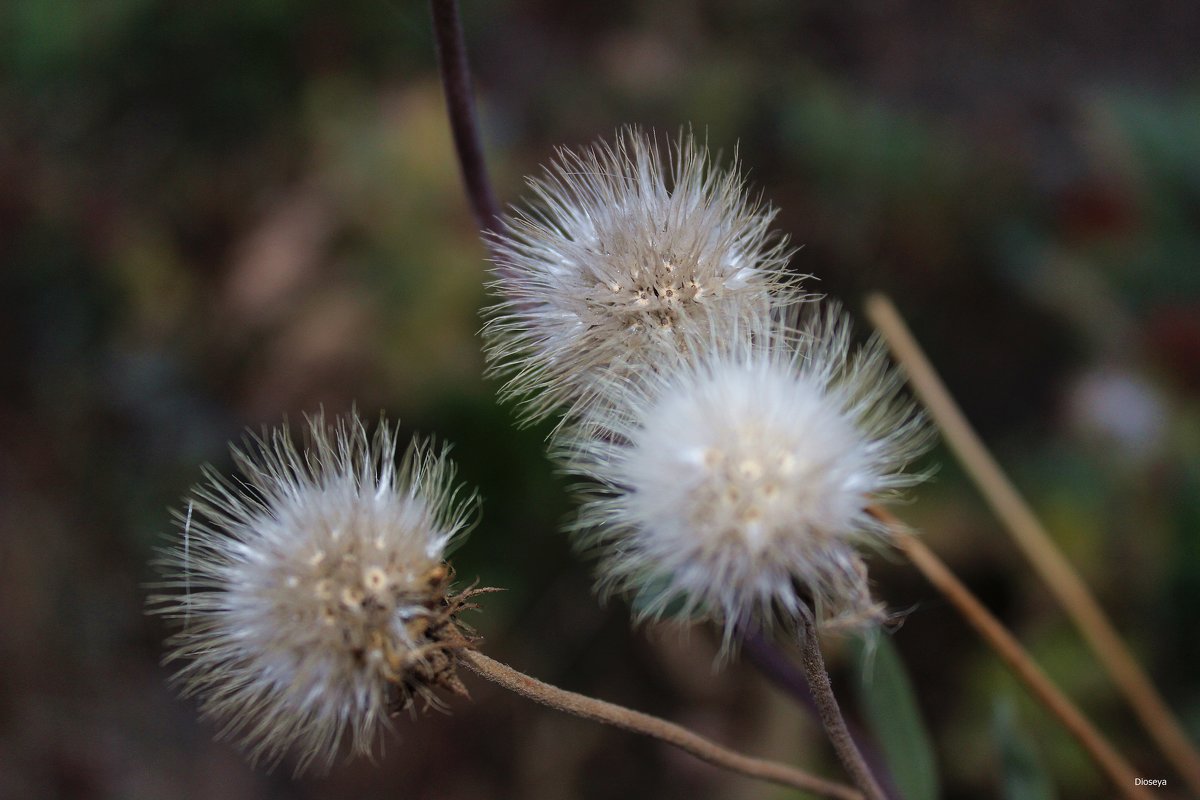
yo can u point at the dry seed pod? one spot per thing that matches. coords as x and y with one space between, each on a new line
621 258
734 483
311 593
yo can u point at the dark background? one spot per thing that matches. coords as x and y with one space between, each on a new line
213 215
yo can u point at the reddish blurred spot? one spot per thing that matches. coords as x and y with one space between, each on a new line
1090 209
1173 334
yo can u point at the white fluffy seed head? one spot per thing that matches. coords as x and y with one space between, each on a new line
621 258
311 591
735 485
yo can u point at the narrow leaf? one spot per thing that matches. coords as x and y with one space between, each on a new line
1023 773
889 708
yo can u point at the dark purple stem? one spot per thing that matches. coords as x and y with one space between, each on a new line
460 104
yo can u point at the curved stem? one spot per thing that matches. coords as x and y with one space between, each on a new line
1014 655
831 715
1055 570
456 85
647 725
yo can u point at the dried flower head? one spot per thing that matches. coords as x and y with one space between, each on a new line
312 592
624 257
735 485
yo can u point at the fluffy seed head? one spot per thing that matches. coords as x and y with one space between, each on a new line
735 484
623 257
311 592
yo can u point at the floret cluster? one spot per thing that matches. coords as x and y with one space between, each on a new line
733 434
730 435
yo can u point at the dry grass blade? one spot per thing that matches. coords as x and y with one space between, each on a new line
1014 655
1029 534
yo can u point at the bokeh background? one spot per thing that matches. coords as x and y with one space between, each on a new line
215 215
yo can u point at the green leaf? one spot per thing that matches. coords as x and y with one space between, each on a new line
889 708
1023 773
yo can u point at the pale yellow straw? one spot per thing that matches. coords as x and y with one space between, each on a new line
1055 570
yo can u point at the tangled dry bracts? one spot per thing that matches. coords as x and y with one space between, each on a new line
441 636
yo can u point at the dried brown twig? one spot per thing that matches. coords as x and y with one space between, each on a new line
647 725
1031 537
1018 660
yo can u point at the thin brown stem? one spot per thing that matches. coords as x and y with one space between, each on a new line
460 104
1031 536
637 722
1014 655
831 714
782 670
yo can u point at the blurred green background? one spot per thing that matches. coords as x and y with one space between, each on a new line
215 215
